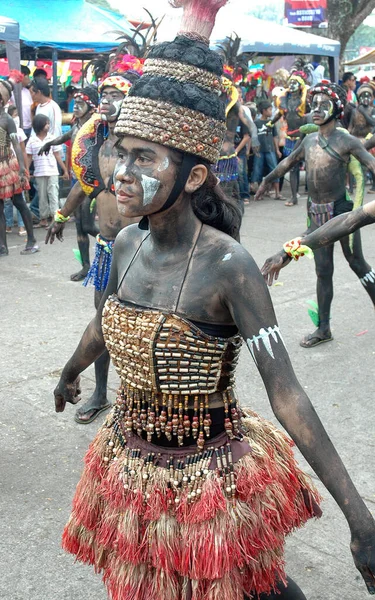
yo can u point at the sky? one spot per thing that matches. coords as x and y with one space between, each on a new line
160 7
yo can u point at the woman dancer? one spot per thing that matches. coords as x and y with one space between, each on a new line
184 494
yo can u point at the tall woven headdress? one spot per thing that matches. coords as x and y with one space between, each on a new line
176 102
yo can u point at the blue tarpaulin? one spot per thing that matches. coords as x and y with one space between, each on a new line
65 25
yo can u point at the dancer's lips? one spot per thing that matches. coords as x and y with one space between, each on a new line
122 196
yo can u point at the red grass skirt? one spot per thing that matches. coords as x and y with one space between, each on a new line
217 547
10 182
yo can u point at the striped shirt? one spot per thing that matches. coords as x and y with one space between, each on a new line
44 165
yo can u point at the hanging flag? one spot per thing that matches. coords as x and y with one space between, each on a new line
306 13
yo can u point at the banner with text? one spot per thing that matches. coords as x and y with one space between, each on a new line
306 13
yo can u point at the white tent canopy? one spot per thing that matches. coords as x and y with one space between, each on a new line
262 37
365 59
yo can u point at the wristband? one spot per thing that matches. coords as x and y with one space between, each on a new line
59 217
294 249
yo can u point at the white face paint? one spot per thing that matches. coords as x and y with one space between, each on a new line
265 336
227 257
164 164
150 186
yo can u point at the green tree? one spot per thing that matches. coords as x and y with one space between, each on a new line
344 18
363 36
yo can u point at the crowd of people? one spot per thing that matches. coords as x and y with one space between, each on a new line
185 495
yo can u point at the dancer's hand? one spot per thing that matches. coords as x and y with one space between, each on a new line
363 551
45 149
273 266
256 150
262 189
55 230
66 392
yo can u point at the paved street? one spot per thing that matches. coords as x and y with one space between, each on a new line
43 315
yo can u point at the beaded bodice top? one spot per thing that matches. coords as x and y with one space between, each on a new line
165 353
167 365
5 150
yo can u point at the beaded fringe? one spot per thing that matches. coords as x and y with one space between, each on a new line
98 273
226 169
221 543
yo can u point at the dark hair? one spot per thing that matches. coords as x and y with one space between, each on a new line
41 85
40 73
210 204
214 208
92 92
70 89
39 122
12 109
25 70
264 105
348 75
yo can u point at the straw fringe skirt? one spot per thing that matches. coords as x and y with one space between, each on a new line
154 540
10 183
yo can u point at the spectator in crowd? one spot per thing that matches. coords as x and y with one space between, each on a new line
281 129
8 204
67 105
45 169
41 94
349 84
318 73
269 147
26 101
242 142
40 73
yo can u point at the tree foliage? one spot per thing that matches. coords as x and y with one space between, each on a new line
344 18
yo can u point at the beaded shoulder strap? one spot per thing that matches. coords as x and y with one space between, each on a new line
187 267
132 261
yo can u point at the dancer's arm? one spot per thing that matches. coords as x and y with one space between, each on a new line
369 119
332 231
75 198
283 167
12 131
91 345
56 142
248 300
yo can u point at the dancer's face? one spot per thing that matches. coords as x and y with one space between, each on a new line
322 109
365 99
144 176
80 108
294 85
110 103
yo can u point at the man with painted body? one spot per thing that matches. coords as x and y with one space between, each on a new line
327 154
85 105
293 107
362 117
94 158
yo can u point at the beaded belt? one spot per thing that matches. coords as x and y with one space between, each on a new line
153 413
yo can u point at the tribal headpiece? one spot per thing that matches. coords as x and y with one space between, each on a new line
335 92
7 85
366 87
116 81
176 102
89 95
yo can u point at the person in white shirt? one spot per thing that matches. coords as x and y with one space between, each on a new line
26 101
40 93
45 168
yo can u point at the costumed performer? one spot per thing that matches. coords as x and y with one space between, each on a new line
85 105
13 173
184 494
293 105
93 160
327 154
